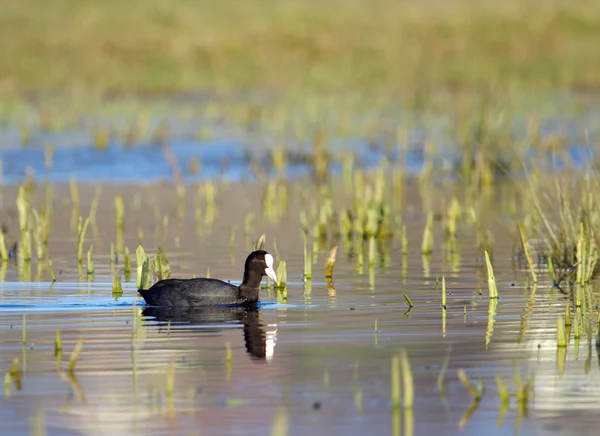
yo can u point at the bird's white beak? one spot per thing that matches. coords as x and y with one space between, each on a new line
271 273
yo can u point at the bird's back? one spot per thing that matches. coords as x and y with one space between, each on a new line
191 292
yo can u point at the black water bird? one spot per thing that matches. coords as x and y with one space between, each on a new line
210 292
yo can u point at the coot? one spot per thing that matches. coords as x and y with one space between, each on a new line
209 292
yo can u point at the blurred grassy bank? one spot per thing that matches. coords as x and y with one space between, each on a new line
177 45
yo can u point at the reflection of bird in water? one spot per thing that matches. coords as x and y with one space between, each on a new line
259 343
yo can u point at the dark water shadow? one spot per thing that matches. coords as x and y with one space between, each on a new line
255 337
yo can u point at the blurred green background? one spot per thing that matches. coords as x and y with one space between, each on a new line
183 45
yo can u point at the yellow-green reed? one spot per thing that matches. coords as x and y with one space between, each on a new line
51 267
25 225
551 270
75 355
331 261
407 378
442 374
409 302
404 240
162 269
443 292
24 330
280 424
74 191
503 392
7 390
117 288
90 261
170 380
127 262
281 274
260 243
395 381
228 354
3 249
567 314
57 342
476 393
561 333
207 275
492 288
81 231
427 243
143 278
525 246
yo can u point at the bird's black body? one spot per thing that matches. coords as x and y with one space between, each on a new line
210 292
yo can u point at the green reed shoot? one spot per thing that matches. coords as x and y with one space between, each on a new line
551 270
90 261
120 212
561 333
427 243
15 373
3 249
503 392
444 292
24 330
404 240
395 381
281 274
81 231
117 288
162 269
207 275
143 278
407 378
57 342
476 393
442 374
409 303
127 262
331 262
170 383
567 315
280 424
260 242
307 259
51 268
228 354
24 210
525 246
492 288
7 379
75 355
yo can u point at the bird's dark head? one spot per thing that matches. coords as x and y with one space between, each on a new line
261 262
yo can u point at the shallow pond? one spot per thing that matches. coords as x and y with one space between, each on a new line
317 363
